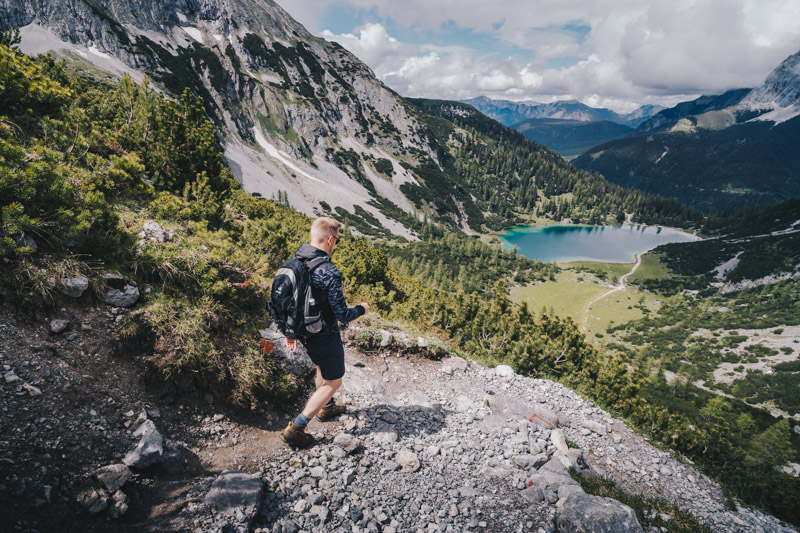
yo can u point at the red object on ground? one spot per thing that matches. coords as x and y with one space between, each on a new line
534 415
266 346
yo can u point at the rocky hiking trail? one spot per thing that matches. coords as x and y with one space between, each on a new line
89 442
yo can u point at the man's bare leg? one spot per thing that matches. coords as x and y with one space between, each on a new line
325 391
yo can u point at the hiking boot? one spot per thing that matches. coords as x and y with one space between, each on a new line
295 436
330 411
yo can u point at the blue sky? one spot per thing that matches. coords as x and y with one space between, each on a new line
615 53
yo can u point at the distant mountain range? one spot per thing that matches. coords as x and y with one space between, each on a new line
567 127
511 113
737 149
571 138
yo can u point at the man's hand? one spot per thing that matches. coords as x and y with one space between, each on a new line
365 305
291 344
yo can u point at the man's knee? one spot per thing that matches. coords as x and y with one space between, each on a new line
334 383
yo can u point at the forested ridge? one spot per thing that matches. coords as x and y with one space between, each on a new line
509 175
84 164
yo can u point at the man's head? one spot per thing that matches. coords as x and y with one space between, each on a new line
325 234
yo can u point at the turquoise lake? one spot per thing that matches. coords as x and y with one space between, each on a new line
605 244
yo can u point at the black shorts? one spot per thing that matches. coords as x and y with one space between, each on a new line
327 352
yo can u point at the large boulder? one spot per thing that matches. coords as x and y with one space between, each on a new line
583 513
295 362
235 494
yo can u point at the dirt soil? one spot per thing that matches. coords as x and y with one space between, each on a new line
79 397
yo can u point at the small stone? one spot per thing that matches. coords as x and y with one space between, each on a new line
347 442
126 297
33 391
11 377
113 477
75 287
94 500
386 338
422 342
321 512
119 504
408 460
150 448
58 325
504 371
389 417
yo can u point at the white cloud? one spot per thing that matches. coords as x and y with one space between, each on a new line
637 51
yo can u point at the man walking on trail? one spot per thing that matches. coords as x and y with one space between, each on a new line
325 348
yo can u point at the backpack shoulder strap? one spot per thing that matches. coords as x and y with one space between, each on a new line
317 261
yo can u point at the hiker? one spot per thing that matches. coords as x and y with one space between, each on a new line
324 348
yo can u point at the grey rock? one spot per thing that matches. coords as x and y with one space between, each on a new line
594 514
408 460
321 512
347 442
559 440
126 297
75 287
504 371
153 231
118 504
11 377
150 448
597 427
422 342
390 417
526 461
295 362
796 429
93 500
566 490
318 472
113 477
26 240
385 438
555 480
58 325
533 494
386 338
235 493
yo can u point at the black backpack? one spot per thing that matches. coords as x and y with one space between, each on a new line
291 304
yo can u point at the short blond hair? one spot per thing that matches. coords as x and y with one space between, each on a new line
322 227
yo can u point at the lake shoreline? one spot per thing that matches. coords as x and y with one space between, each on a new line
546 242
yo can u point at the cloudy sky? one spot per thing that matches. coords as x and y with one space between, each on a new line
610 53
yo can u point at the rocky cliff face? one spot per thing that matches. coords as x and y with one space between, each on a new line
298 114
780 93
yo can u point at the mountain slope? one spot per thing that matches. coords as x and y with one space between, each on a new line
570 138
300 118
700 105
720 152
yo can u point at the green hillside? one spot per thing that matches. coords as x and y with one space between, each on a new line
509 176
754 163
